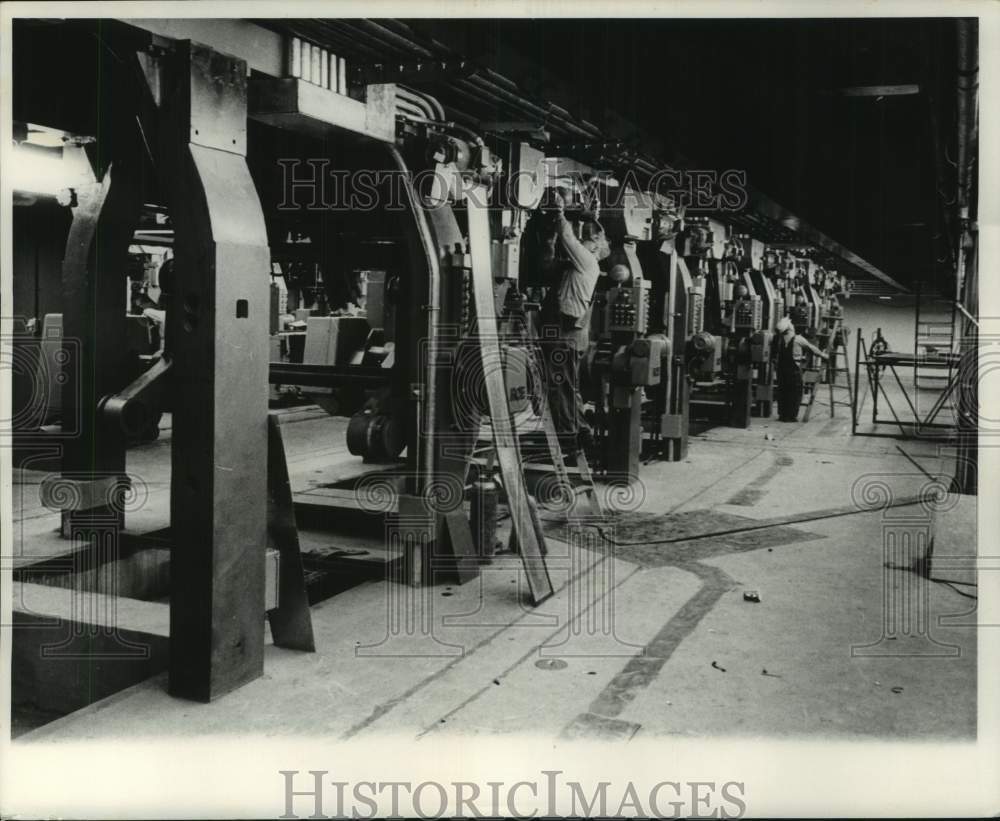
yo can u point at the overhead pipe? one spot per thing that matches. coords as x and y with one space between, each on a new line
434 103
452 126
583 127
409 110
968 136
384 35
430 105
483 86
461 104
378 32
508 89
485 81
967 106
497 82
414 101
463 101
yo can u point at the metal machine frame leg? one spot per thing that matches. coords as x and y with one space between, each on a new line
218 339
104 217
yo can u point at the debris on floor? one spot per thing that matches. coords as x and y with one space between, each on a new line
751 596
715 664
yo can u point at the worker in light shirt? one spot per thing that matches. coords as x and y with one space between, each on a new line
789 351
565 322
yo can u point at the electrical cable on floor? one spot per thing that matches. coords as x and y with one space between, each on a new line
917 568
951 583
726 475
765 525
916 464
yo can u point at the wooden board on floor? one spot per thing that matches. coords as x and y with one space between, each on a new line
530 537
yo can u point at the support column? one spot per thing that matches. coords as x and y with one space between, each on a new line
218 339
105 214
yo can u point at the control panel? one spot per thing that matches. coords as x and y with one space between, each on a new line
800 316
627 308
748 313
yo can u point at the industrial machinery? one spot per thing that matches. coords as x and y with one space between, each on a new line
727 353
677 309
630 370
424 350
755 316
628 367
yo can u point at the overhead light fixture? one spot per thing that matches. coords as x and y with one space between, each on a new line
886 298
904 90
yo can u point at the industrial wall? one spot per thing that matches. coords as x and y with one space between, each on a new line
896 318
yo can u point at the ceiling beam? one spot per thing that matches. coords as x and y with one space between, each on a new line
811 236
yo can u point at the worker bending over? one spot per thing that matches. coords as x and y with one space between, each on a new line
565 323
790 353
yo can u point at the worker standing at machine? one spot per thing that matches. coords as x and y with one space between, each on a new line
565 320
790 353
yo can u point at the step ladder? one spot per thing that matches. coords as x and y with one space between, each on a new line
543 453
838 349
810 381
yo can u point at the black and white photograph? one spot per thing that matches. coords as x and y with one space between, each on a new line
499 410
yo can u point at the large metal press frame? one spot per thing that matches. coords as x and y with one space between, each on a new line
185 105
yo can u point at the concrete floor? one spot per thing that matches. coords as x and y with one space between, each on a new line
642 640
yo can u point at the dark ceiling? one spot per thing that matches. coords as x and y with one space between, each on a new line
764 96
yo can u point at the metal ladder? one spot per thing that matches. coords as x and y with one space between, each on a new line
930 337
550 451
